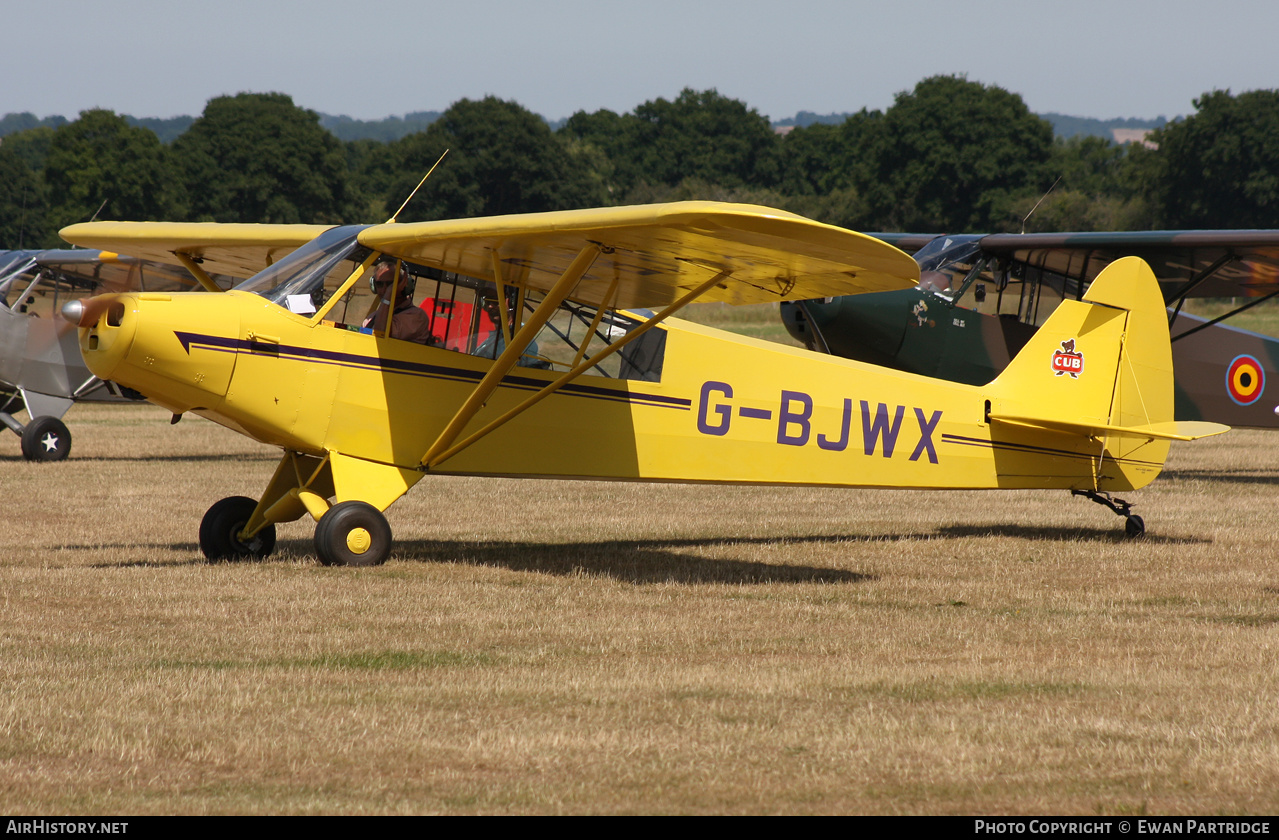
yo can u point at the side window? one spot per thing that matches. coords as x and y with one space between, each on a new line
991 289
1017 289
1003 288
1011 293
642 358
1045 291
16 271
1049 292
42 293
353 307
17 288
459 319
466 316
574 333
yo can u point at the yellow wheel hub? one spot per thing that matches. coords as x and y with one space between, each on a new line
358 540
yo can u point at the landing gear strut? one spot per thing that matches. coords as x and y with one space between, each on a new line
348 533
1134 525
221 527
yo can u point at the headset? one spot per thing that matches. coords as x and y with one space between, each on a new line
408 280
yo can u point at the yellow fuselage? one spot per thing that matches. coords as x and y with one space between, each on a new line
727 408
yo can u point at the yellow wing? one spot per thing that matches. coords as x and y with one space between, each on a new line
235 250
657 252
654 252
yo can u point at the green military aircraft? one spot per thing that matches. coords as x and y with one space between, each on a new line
981 297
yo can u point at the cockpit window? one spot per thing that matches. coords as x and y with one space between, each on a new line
17 269
302 281
1046 290
457 312
466 315
948 261
957 268
30 288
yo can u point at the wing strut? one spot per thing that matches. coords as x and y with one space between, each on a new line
1232 313
579 369
197 272
523 338
1194 282
501 297
610 298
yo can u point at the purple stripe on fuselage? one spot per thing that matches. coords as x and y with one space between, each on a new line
332 357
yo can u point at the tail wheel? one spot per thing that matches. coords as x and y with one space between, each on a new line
1134 526
46 439
353 534
220 531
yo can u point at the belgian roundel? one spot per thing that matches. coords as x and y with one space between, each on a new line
1245 380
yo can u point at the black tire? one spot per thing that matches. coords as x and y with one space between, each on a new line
46 439
1134 526
353 534
221 525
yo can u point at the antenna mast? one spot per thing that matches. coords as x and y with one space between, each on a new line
1023 221
396 214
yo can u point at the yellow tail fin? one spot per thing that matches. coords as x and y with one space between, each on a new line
1102 368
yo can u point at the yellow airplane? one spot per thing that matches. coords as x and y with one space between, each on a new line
543 357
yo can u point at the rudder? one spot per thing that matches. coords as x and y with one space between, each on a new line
1102 368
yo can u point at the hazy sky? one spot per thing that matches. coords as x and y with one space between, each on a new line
372 58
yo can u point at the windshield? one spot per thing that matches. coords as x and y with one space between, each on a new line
16 271
947 261
302 274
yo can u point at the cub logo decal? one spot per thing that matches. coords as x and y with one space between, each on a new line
1066 360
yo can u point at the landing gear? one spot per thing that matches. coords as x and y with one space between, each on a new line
220 531
1134 525
353 534
46 439
349 533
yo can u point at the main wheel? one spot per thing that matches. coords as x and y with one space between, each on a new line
353 534
46 439
221 526
1134 526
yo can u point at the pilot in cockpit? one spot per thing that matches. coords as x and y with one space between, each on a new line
493 346
408 322
936 281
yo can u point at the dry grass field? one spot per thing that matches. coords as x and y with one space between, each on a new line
571 647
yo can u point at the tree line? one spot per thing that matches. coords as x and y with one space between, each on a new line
950 155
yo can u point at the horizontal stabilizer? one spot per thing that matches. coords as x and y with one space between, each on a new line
1170 430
